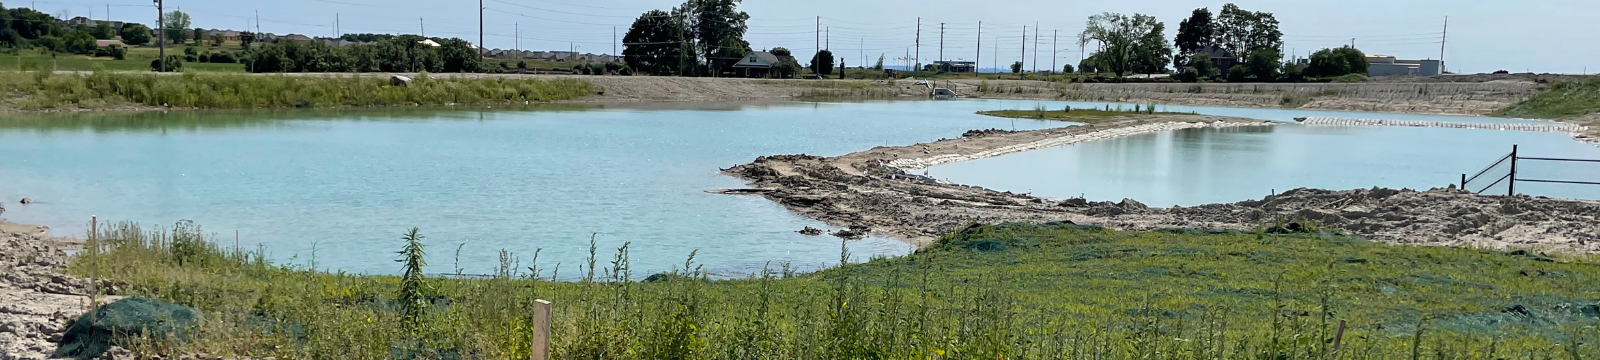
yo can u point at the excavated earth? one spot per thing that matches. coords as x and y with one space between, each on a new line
36 301
863 191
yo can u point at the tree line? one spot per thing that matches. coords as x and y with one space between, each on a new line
28 28
1234 44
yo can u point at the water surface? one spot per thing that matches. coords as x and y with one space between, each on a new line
344 185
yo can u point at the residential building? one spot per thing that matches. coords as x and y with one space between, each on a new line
227 35
757 64
87 22
1388 65
105 43
297 37
1220 58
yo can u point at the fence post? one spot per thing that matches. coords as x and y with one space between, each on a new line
541 330
1511 186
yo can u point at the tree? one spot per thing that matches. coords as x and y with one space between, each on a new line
781 52
135 34
1067 69
80 42
1241 32
1089 65
459 56
245 38
1238 73
177 26
879 65
719 29
216 40
1336 62
1132 43
1264 63
822 62
412 286
1199 67
1016 68
657 44
103 31
198 35
1194 33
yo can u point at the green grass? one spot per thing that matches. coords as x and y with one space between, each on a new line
1014 291
138 59
43 90
1562 100
1087 116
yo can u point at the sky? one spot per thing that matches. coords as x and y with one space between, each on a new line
1554 36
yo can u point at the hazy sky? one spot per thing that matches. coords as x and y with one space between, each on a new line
1539 35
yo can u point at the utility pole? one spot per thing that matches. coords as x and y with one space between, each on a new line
1036 47
1352 43
518 27
814 56
423 26
161 40
613 40
941 41
108 12
1055 38
1442 38
979 57
917 61
336 31
480 28
1024 56
827 34
258 22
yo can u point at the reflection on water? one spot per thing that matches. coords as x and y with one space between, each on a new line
1201 166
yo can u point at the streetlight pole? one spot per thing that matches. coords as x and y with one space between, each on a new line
161 36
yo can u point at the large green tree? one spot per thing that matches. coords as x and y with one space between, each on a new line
177 23
657 44
1264 64
822 63
1336 62
719 29
1241 32
1132 43
135 34
1194 33
103 31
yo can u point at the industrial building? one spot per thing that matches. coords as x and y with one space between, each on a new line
1387 65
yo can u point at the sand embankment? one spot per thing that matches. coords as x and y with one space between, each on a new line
864 191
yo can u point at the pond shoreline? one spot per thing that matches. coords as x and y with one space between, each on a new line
871 191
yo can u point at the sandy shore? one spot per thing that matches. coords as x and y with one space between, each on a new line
864 191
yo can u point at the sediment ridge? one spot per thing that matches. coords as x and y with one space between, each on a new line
867 191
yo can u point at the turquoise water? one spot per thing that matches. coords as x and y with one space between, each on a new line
343 185
1202 166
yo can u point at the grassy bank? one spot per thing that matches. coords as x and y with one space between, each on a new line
1562 100
1010 291
1087 116
137 59
44 90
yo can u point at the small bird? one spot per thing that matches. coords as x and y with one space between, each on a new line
26 201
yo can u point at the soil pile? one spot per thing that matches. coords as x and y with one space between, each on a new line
36 301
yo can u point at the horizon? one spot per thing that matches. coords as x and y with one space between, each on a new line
1479 38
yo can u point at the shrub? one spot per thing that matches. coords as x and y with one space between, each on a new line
114 52
174 64
522 65
223 58
1350 78
1238 73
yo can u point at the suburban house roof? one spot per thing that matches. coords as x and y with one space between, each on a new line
1217 53
105 43
297 37
758 59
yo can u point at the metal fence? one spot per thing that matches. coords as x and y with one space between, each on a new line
1510 177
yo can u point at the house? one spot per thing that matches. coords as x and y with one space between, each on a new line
297 38
1387 65
227 35
757 64
1220 58
105 43
955 66
89 23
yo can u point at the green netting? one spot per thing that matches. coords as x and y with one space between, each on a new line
124 321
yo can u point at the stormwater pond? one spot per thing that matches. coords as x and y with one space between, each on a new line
338 188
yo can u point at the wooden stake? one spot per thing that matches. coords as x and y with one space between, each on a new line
1338 336
541 330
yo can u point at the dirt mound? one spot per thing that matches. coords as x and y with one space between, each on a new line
1434 217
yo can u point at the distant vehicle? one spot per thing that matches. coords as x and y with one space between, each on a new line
1502 72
